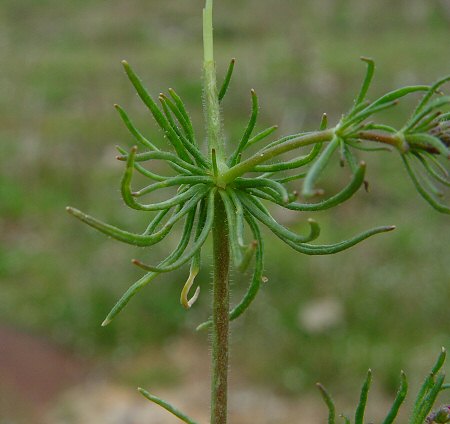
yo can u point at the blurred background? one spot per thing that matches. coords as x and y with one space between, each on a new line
383 304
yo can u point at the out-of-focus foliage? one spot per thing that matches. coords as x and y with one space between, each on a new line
384 303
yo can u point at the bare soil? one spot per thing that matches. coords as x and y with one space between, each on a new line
43 383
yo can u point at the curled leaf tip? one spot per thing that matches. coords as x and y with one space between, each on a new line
105 322
187 303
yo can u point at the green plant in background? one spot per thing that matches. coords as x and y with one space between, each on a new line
425 399
225 192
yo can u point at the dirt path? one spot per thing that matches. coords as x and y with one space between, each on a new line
33 372
42 383
105 402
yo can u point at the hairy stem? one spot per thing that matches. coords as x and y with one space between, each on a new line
221 259
221 306
210 93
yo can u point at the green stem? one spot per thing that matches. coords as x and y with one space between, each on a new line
301 141
210 93
260 157
221 295
221 306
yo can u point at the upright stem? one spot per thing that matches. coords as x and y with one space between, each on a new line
210 93
221 306
221 293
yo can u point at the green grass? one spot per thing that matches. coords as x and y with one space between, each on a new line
57 124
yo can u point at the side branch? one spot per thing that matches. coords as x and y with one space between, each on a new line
264 156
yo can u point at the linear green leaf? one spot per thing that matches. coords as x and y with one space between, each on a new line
186 137
166 156
157 114
318 167
230 211
431 171
173 181
248 131
278 229
367 80
117 233
195 246
261 135
145 280
133 130
430 140
345 194
422 191
182 108
429 399
432 90
365 113
428 383
156 221
359 414
167 406
293 177
184 241
401 395
226 81
356 144
329 249
239 216
255 284
329 402
433 105
291 164
263 182
142 170
130 200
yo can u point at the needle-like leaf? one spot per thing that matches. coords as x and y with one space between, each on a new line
167 406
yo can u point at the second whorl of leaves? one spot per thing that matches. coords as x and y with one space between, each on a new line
421 142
